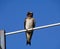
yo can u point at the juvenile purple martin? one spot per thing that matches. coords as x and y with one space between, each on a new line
29 23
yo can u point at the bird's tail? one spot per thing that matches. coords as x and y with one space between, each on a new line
28 43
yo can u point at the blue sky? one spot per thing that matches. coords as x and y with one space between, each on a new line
13 13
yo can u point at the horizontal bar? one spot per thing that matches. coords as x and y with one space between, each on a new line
40 27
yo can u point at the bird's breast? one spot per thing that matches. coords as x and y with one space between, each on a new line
29 23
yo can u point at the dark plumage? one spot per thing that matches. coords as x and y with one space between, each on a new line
0 47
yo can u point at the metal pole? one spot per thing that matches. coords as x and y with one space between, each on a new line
40 27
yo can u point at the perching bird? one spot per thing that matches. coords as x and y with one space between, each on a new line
29 23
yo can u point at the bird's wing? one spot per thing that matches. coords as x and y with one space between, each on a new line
33 22
25 23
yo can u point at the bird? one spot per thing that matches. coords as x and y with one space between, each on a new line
29 23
